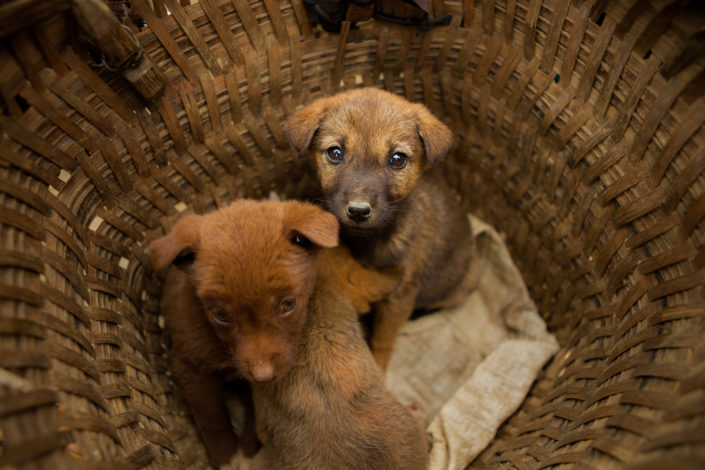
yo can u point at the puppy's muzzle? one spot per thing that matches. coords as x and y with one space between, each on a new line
263 372
358 211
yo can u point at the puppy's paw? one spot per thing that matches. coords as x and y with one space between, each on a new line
234 464
240 462
249 444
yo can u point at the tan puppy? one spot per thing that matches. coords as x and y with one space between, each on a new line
235 302
372 151
332 411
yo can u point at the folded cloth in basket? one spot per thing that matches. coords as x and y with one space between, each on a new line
464 370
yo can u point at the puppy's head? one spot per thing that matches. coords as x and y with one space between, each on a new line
253 265
370 147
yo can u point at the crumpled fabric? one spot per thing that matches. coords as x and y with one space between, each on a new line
464 370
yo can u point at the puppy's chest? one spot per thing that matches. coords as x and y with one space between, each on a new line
380 252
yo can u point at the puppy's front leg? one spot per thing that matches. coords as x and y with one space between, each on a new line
249 443
390 315
204 393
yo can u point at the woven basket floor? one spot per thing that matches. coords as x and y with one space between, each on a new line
579 135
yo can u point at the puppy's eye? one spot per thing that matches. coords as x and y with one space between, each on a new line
287 306
334 154
301 241
221 317
398 160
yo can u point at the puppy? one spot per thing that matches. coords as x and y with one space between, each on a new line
235 302
332 410
373 153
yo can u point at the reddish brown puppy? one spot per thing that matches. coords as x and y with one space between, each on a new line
235 301
332 411
373 152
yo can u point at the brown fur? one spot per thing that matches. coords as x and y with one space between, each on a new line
415 221
332 409
238 263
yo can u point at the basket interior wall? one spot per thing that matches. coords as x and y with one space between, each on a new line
579 135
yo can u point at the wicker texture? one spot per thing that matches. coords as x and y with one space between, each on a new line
579 136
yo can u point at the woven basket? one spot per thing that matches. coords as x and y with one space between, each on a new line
579 135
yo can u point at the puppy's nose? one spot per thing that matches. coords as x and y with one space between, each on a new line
358 210
263 372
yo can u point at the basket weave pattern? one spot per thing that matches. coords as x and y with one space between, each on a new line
579 135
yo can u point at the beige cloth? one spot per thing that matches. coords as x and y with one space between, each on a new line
465 370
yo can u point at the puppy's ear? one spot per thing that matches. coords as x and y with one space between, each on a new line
180 244
435 135
308 224
302 125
